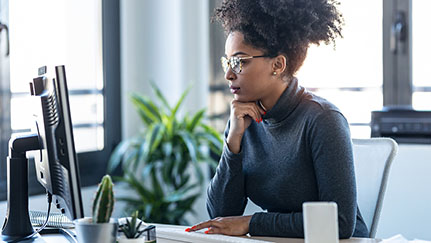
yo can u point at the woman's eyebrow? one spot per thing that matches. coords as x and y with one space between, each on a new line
238 53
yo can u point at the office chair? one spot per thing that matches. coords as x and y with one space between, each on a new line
372 159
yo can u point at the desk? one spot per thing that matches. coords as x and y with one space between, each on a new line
161 239
57 238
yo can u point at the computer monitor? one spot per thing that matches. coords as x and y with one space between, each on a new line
57 166
56 161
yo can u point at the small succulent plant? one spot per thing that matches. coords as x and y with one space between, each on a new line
103 203
131 228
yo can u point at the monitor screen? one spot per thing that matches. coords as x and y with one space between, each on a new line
56 162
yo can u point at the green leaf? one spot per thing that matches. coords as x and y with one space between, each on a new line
148 168
184 181
167 149
144 117
180 101
146 195
150 138
160 95
157 137
182 165
213 132
190 144
157 189
117 155
130 159
195 120
212 140
168 165
180 194
147 109
192 148
130 200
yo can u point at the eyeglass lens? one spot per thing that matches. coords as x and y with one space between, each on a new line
233 62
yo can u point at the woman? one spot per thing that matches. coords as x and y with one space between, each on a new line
283 145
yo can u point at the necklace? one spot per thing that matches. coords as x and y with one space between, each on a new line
261 105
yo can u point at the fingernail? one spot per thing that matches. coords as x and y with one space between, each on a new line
261 119
206 232
188 229
194 227
264 112
257 121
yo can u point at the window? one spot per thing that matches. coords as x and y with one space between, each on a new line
371 67
4 95
67 34
351 75
77 34
420 55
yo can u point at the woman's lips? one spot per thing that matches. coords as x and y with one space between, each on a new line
234 90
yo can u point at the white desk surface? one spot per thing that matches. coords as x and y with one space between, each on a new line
271 239
57 238
61 239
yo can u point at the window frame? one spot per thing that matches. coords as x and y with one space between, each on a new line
397 66
5 95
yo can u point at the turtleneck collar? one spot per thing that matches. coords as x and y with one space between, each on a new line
286 104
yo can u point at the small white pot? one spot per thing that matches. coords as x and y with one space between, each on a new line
89 232
126 240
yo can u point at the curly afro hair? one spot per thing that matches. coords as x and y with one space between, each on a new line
282 27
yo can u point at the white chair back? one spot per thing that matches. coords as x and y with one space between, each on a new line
372 159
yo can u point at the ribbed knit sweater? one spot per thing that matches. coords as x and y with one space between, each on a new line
301 152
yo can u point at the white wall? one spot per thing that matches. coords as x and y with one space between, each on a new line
407 203
167 42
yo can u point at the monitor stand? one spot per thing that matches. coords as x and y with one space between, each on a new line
17 221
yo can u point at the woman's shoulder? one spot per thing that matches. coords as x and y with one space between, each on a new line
317 103
316 106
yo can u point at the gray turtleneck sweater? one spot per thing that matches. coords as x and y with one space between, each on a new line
301 152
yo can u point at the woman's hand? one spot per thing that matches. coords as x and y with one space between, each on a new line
241 115
237 225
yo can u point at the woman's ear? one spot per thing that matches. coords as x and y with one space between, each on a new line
279 64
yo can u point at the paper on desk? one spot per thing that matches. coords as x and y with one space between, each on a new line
400 239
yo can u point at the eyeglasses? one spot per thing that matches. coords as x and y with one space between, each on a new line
235 63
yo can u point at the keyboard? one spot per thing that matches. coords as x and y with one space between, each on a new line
178 234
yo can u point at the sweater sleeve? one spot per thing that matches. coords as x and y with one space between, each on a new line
331 152
226 192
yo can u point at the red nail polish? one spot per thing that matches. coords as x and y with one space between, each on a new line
257 121
206 232
261 119
264 112
188 229
194 227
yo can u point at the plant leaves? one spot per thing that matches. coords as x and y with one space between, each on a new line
195 120
213 132
180 101
146 108
157 189
180 195
117 155
160 95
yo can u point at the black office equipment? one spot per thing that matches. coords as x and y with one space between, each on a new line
405 125
56 164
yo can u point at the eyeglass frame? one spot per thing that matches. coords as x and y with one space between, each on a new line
224 59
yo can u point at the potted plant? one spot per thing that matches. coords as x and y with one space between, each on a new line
163 164
100 228
132 231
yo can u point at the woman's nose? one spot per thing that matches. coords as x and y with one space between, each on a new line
229 75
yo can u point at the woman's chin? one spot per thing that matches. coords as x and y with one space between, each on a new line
242 98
